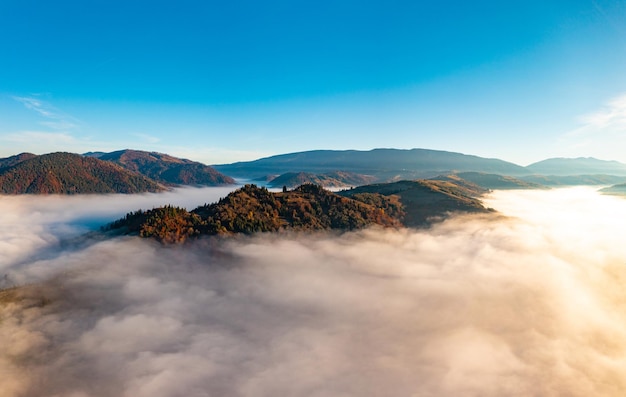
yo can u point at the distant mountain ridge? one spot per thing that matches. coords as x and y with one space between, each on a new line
388 165
619 189
574 180
164 168
384 164
577 166
494 181
330 168
328 179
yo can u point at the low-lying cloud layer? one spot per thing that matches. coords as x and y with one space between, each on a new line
532 304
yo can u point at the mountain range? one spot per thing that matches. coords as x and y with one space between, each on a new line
385 190
577 166
383 164
139 171
387 165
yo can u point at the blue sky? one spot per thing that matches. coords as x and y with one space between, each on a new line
225 81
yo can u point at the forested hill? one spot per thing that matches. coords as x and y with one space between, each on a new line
424 201
166 169
68 173
253 209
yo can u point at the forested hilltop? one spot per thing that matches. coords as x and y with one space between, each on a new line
124 171
253 209
166 169
69 173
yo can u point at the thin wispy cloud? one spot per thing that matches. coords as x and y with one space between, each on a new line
147 138
39 142
611 20
612 115
34 104
604 128
56 119
42 137
58 131
213 155
58 125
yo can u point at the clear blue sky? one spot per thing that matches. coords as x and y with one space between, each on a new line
236 80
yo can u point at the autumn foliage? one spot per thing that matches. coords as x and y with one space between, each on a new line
253 209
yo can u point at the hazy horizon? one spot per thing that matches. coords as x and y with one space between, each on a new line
365 150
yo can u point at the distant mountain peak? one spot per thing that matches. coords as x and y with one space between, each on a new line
577 166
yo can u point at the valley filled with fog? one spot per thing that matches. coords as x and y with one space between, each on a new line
528 301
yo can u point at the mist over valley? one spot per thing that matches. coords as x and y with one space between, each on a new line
525 301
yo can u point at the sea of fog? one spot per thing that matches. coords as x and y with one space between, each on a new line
530 302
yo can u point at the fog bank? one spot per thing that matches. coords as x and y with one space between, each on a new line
35 222
530 302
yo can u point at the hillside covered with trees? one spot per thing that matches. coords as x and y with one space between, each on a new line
166 169
68 173
425 201
253 209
